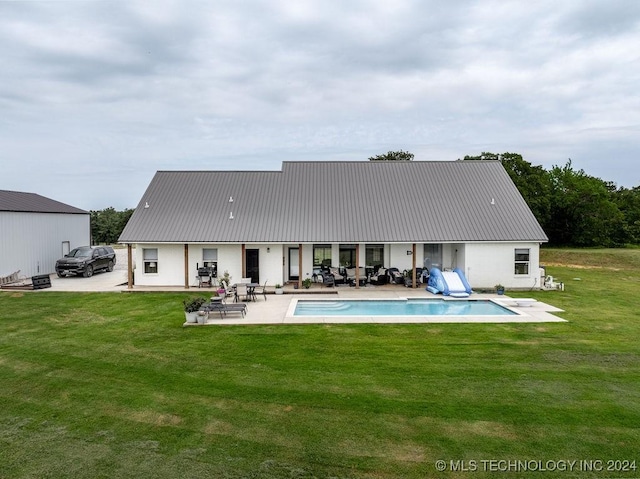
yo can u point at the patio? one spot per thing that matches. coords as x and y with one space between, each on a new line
277 308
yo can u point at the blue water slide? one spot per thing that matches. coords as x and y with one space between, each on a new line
436 283
463 279
456 285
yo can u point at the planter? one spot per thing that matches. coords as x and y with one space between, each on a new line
500 291
279 291
191 317
201 316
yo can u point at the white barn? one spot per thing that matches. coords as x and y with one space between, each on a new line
280 226
36 231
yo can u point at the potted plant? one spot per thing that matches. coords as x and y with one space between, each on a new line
191 307
499 289
306 283
279 289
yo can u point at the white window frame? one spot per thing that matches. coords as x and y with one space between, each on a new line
150 260
522 266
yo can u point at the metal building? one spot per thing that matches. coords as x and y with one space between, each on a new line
36 231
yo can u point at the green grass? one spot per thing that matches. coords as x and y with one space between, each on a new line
111 385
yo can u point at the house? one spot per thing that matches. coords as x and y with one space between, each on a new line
277 226
36 231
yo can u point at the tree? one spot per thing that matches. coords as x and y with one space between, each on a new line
393 156
584 213
628 201
107 225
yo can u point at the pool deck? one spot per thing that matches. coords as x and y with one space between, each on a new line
278 309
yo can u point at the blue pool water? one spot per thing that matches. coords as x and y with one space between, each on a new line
401 307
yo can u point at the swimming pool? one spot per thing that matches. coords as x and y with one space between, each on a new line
400 307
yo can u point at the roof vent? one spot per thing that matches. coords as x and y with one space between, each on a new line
493 201
230 199
231 215
146 204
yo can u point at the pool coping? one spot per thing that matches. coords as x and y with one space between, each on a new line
521 307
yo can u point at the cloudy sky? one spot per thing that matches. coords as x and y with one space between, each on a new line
96 96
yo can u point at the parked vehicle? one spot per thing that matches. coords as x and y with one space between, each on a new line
85 260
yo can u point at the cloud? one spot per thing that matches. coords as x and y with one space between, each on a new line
228 85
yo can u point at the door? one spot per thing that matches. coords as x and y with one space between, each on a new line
252 259
66 248
294 263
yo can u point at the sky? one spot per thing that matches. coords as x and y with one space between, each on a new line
98 95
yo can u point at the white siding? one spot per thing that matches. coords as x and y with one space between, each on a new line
487 264
484 264
396 256
171 263
32 242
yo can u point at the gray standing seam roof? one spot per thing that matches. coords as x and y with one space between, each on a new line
336 202
17 201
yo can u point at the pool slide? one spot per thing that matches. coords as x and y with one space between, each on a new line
449 283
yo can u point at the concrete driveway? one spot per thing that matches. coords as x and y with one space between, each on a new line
115 280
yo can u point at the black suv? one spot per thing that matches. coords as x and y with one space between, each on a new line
85 260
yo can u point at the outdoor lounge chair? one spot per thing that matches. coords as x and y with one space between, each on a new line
338 277
223 308
351 276
379 277
328 279
395 276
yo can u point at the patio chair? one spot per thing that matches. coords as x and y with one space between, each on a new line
262 291
328 279
241 290
379 277
337 276
395 276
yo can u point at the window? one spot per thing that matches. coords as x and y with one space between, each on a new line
210 260
347 255
322 255
150 260
374 255
522 261
432 256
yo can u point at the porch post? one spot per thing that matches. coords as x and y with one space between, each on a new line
186 266
357 265
413 268
299 265
129 267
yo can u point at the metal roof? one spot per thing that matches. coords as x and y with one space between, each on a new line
331 202
17 201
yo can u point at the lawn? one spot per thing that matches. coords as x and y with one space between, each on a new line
112 386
